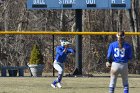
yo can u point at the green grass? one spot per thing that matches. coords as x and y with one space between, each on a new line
70 85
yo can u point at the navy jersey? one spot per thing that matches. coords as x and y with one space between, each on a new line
60 55
119 55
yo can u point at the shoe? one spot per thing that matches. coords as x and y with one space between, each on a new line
53 86
58 85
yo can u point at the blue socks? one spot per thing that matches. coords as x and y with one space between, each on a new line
111 89
58 79
54 82
126 89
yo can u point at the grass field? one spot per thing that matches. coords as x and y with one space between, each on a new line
70 85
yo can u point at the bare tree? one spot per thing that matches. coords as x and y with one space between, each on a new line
133 14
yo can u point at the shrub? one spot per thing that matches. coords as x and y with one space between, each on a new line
36 57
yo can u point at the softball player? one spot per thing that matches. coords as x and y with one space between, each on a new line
61 55
119 53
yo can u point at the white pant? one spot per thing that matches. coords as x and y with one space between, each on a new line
119 68
59 67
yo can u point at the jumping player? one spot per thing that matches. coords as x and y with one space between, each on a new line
119 53
61 55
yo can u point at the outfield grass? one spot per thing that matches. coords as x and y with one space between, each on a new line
70 85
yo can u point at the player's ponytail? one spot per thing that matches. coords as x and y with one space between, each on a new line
120 37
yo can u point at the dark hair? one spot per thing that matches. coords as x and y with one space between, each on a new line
122 33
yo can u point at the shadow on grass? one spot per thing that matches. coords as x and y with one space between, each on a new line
91 87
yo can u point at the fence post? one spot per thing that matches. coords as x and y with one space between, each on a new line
78 65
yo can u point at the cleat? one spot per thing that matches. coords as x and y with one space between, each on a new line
58 85
53 86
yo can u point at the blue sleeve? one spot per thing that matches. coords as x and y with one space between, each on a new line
109 54
70 50
59 51
130 53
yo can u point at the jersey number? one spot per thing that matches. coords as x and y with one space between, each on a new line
119 53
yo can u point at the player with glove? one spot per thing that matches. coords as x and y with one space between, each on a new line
61 55
119 53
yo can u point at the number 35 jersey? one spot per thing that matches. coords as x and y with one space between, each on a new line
119 55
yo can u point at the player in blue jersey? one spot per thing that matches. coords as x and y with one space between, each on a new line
61 55
119 53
